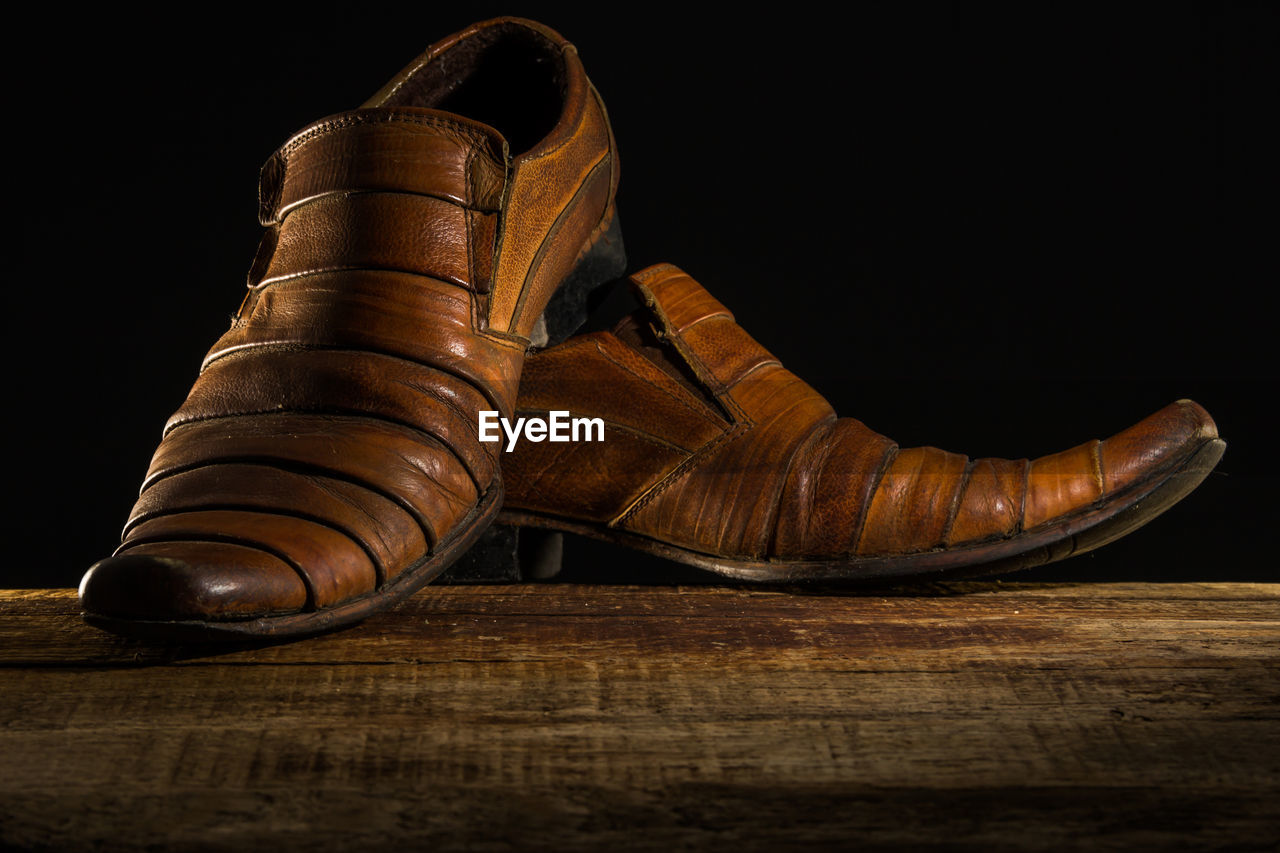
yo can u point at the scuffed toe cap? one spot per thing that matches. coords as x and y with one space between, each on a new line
1100 473
1155 443
175 581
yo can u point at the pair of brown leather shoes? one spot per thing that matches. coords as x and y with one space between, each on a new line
334 454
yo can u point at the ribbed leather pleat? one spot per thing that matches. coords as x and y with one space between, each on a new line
748 463
334 425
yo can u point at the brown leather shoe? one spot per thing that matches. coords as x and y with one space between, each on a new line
327 461
716 456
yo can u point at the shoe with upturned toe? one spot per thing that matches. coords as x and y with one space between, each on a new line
715 455
326 464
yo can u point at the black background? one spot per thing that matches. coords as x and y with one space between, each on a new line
995 229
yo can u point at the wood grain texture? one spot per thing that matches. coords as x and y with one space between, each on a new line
577 718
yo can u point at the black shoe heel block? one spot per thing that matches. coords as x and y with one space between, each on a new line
507 554
603 262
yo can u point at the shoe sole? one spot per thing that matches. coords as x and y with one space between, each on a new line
1069 536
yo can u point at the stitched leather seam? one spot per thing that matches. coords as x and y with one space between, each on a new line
412 384
507 339
273 177
414 466
890 453
293 276
702 413
709 379
468 418
468 175
341 496
499 246
657 273
956 501
1097 466
306 470
611 142
272 346
713 386
1026 487
600 229
219 539
826 427
777 486
718 315
549 238
471 232
465 132
417 432
698 458
662 273
769 362
379 569
284 213
474 313
1146 483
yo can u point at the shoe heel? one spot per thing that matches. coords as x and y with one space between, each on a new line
602 261
508 555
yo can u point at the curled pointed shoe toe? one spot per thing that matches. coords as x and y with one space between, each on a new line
327 461
717 456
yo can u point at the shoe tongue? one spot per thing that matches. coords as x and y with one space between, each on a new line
405 149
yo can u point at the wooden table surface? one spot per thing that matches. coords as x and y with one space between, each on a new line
581 718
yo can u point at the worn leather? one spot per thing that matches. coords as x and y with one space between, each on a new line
713 447
330 442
